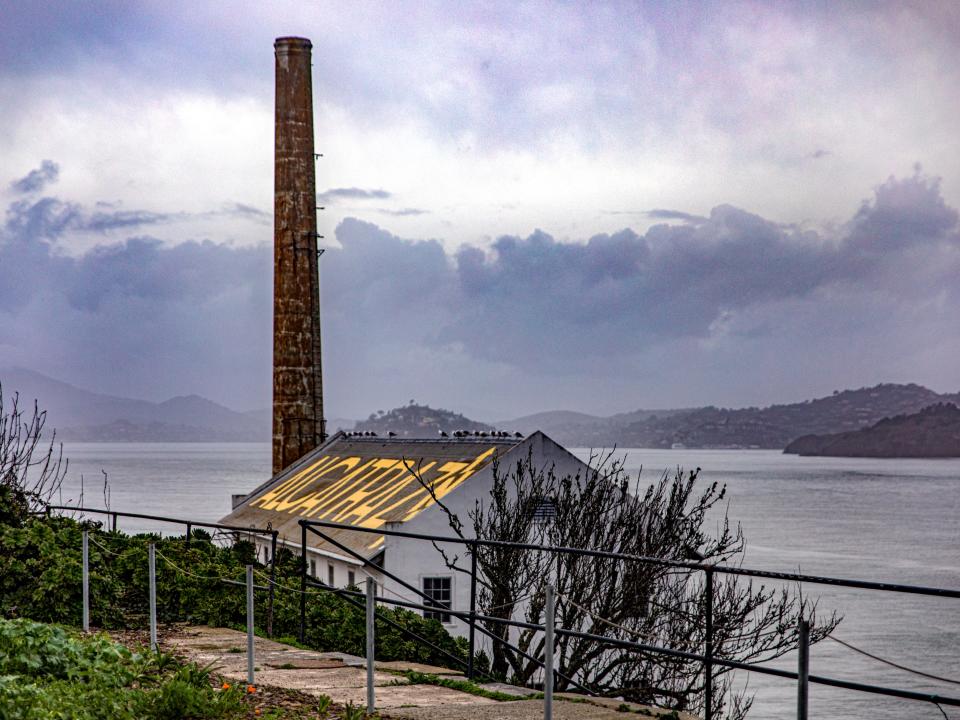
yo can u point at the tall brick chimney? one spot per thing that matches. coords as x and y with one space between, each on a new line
298 424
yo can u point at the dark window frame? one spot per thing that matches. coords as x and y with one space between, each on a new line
439 588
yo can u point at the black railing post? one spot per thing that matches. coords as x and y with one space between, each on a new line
114 522
303 580
473 609
273 580
803 669
189 532
708 654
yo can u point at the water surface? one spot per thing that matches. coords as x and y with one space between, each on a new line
885 520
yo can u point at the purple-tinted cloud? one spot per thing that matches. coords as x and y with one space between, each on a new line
660 214
38 178
195 316
403 212
336 194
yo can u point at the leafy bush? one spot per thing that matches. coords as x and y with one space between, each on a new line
40 578
47 672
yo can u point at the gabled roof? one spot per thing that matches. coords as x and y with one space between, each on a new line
367 482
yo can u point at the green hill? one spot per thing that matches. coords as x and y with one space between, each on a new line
933 432
418 421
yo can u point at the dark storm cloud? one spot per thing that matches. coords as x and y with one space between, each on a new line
136 317
102 222
51 218
37 179
661 214
196 315
38 36
335 194
248 211
403 212
905 212
557 304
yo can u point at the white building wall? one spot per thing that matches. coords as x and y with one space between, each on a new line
412 560
320 562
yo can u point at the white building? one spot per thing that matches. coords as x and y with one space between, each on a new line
375 483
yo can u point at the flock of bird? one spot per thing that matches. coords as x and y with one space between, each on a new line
444 434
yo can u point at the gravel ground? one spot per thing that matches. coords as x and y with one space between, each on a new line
291 679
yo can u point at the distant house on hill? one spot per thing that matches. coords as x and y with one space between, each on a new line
369 482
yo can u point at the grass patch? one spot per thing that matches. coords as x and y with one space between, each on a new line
419 678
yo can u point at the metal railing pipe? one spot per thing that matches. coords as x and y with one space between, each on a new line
152 571
250 626
708 650
371 610
273 576
86 581
163 518
548 621
303 582
366 562
473 611
803 669
663 562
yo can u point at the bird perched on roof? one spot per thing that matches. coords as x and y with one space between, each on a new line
443 434
519 435
391 433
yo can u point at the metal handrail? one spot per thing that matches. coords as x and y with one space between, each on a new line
369 563
162 518
665 562
472 617
190 524
708 659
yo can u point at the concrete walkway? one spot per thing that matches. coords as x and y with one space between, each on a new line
343 677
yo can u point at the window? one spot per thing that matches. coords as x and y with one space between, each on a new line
544 511
313 568
330 575
438 589
351 578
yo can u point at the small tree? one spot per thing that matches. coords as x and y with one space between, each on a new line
31 470
627 600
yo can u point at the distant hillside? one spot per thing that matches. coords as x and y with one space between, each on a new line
126 431
711 427
84 416
933 432
582 430
418 421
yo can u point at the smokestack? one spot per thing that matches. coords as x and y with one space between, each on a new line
298 424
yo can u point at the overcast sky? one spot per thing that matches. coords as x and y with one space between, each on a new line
529 206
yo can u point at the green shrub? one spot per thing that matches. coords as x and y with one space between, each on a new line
48 672
40 579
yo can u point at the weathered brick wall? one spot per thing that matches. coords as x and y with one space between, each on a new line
297 386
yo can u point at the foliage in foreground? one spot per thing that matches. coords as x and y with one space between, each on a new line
48 672
40 578
40 568
604 509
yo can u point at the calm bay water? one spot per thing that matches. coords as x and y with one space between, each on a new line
885 520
